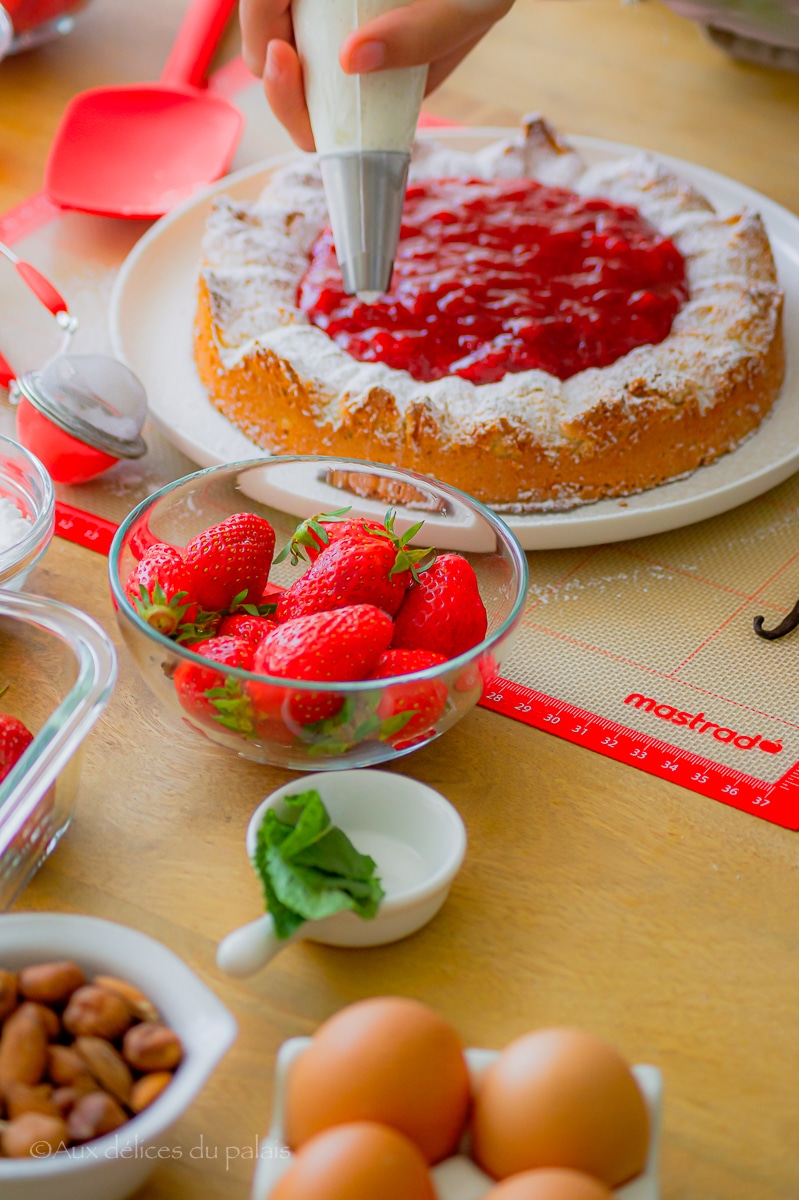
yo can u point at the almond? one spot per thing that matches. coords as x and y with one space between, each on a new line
106 1066
50 983
23 1049
8 993
47 1017
33 1132
148 1088
22 1098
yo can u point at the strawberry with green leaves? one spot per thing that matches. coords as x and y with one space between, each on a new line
205 692
333 647
374 567
443 610
231 561
316 533
423 700
15 737
162 589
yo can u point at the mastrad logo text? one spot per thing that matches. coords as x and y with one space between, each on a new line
699 723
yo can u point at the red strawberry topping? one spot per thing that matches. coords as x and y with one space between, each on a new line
424 700
162 589
442 610
14 741
231 561
334 647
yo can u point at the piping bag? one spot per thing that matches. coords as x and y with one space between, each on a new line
363 126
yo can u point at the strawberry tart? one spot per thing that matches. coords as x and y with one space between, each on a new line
555 332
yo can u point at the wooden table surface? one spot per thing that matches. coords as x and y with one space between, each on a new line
592 894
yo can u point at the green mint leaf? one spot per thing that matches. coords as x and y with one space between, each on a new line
309 869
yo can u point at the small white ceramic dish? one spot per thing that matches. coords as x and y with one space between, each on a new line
116 1165
414 835
458 1177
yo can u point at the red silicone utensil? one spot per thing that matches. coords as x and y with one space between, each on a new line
140 149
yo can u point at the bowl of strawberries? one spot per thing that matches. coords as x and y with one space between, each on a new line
316 613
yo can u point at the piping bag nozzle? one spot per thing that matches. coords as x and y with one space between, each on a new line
365 193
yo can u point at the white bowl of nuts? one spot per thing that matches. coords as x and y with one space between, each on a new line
107 1037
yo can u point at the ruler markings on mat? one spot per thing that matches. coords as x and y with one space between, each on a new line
776 802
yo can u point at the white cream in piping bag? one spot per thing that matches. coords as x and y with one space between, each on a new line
377 111
363 126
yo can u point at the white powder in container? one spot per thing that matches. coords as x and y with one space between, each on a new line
13 526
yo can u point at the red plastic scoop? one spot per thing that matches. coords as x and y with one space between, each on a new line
140 149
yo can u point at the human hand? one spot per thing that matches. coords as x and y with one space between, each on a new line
438 32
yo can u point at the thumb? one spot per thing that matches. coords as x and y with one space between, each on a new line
418 33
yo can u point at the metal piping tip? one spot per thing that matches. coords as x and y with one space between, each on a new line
365 193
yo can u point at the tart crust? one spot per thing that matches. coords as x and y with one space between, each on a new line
529 442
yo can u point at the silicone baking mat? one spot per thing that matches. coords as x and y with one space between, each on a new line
643 651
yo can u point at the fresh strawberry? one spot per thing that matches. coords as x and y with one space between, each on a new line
333 647
423 700
314 534
442 610
252 629
14 741
162 589
231 561
374 567
200 689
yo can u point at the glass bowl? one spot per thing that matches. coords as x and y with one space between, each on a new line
286 490
60 668
26 484
117 1164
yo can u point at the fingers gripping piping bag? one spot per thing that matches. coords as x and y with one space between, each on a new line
363 126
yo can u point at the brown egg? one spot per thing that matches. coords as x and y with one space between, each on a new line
550 1183
360 1161
561 1098
387 1059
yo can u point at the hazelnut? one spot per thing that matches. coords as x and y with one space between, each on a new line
141 1006
96 1012
65 1098
152 1047
94 1115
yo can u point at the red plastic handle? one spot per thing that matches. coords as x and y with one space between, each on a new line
197 39
7 375
42 289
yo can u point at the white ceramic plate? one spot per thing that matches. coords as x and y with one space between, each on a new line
152 312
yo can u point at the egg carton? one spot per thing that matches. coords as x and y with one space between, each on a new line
458 1177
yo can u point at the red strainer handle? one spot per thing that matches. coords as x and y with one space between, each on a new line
42 289
6 373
